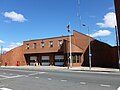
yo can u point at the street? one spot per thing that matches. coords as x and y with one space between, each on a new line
15 79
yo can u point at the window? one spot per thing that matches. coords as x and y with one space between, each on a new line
51 43
34 45
60 43
28 46
42 44
76 58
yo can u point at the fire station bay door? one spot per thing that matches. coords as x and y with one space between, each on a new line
59 60
33 60
45 60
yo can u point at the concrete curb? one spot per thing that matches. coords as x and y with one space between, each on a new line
93 69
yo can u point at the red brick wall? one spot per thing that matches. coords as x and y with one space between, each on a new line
13 56
103 55
46 49
115 59
82 41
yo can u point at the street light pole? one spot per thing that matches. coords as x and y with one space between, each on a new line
90 55
89 49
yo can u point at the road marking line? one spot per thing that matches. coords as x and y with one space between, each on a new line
5 89
10 77
104 85
3 76
19 70
63 80
49 78
36 77
83 83
32 74
42 72
16 76
118 88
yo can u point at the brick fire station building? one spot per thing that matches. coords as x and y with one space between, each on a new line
55 51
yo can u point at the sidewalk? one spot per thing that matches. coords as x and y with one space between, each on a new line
93 69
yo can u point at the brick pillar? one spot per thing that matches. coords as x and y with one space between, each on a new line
52 59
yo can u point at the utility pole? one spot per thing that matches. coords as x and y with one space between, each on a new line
117 10
70 55
117 42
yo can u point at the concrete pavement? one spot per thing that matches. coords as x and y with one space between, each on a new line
45 79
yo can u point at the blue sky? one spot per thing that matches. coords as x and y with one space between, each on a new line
22 20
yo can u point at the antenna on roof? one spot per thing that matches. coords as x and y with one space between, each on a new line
78 13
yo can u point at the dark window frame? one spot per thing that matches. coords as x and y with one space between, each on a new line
35 45
60 43
51 44
43 44
28 46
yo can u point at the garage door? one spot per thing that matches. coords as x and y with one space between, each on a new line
45 60
33 60
59 60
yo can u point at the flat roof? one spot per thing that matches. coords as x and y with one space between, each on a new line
47 38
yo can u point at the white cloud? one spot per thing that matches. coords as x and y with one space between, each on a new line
101 33
11 46
109 21
6 49
15 16
2 41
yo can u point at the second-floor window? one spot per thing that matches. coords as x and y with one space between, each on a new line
60 43
51 43
34 45
28 46
42 44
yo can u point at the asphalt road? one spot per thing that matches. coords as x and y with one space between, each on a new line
13 79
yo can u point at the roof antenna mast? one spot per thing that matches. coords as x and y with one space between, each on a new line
78 13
